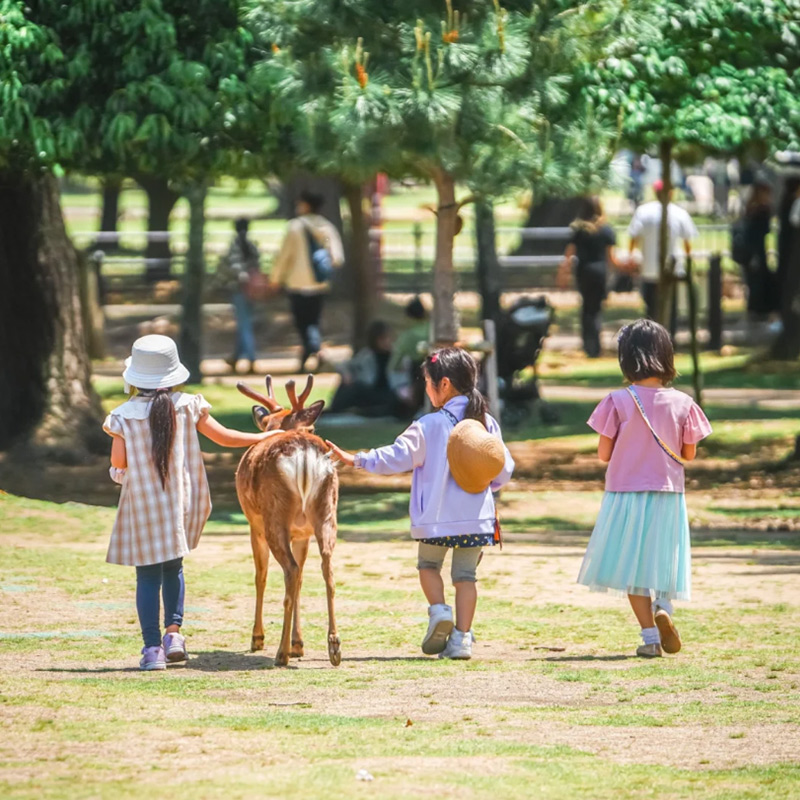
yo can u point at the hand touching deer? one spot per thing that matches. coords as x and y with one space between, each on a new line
288 489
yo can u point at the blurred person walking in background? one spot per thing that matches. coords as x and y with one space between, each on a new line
310 248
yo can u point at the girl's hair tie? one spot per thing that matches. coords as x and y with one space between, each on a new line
434 358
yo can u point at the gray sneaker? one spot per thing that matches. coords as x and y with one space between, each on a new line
152 658
440 623
175 647
649 651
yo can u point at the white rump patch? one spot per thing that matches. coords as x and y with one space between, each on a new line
305 470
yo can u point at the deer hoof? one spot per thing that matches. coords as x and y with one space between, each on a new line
256 643
297 649
281 659
335 650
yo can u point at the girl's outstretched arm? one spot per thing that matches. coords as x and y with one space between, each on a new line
341 455
227 437
605 448
407 452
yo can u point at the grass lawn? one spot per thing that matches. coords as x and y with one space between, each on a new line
554 705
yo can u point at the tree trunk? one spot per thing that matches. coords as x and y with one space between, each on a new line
488 266
47 397
362 273
109 215
192 320
665 271
787 346
445 316
161 200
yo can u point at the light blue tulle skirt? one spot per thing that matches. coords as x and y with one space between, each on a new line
640 545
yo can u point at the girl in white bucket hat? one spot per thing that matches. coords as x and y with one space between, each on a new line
164 502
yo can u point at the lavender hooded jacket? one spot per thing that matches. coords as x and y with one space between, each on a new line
438 506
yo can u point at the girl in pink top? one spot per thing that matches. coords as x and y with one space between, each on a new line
640 544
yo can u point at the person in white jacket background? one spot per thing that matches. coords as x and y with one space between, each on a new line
292 270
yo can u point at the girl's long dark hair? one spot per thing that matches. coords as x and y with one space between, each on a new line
163 423
460 367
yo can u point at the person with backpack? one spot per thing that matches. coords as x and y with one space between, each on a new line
311 250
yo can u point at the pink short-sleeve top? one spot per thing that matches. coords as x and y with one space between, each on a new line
638 464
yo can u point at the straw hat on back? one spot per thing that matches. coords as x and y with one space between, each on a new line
475 456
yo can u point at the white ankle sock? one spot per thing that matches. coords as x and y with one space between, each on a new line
651 636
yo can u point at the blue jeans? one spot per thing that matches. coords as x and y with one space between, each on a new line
245 338
154 579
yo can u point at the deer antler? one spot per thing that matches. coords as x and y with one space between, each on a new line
291 390
307 391
268 402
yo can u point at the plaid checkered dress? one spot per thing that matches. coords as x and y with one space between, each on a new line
156 524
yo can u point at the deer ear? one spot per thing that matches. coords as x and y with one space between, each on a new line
260 417
306 417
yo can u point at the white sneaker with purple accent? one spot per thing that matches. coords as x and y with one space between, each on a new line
175 647
152 658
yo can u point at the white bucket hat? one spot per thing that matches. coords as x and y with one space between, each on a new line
154 364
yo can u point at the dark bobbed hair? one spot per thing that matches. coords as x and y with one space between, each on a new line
645 351
590 209
241 224
376 331
462 370
415 309
313 200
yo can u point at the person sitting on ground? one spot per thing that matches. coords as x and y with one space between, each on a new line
405 365
365 385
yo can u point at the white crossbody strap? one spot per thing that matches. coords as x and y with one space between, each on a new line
661 443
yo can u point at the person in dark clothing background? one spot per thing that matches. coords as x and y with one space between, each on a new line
590 251
762 296
786 231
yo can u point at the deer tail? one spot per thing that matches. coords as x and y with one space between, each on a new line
305 471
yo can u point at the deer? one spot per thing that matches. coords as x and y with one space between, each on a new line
288 489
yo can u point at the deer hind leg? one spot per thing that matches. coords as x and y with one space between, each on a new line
326 538
258 542
281 549
300 552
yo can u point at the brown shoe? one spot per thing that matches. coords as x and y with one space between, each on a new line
649 651
231 362
670 638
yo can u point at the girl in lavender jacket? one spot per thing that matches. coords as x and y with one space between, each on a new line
443 516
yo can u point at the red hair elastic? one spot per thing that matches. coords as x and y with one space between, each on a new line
434 358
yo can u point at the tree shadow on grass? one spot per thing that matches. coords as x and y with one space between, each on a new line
90 671
224 661
586 658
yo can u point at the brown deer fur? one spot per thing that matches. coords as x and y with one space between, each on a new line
288 489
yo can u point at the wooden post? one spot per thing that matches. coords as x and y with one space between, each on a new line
697 375
666 276
492 388
715 302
